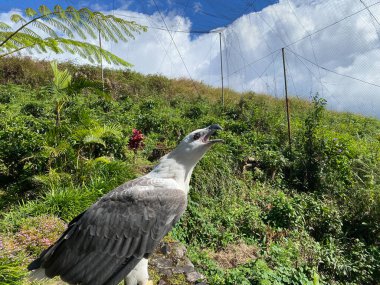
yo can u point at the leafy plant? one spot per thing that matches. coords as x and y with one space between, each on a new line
61 82
70 23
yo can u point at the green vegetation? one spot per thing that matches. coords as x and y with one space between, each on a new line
306 215
60 27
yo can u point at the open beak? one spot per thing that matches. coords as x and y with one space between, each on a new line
210 130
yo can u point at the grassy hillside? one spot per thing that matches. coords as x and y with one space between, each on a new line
259 212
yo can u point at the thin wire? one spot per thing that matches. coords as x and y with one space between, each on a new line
238 50
157 39
168 30
253 62
332 71
310 38
270 27
369 11
175 45
290 74
270 63
332 24
269 48
178 25
313 75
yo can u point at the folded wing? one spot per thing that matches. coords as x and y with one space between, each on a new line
103 244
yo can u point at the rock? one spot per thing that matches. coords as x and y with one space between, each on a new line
184 262
162 263
165 249
179 250
172 266
194 276
184 269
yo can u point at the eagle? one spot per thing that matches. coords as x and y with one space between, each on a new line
114 238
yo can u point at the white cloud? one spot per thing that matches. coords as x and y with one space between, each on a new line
350 47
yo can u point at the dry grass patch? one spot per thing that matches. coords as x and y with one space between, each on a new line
235 254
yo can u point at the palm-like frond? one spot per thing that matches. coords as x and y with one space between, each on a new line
62 79
50 151
61 26
5 27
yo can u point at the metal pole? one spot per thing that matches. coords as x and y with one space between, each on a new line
101 58
221 65
286 98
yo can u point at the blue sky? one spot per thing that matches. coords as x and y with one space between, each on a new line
205 15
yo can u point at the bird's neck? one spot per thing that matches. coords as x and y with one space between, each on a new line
170 168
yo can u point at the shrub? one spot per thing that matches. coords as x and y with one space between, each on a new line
34 109
282 212
38 233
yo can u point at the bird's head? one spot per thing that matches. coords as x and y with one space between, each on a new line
192 148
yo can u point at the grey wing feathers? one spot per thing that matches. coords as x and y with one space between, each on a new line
104 243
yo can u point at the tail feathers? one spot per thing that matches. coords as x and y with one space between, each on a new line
122 271
37 275
35 264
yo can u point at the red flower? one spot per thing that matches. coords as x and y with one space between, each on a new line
136 140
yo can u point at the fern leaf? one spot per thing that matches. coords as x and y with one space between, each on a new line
88 29
61 27
42 26
31 33
69 23
4 27
93 53
30 12
74 27
17 18
62 79
59 11
44 10
90 139
73 13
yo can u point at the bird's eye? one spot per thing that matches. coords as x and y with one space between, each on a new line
196 136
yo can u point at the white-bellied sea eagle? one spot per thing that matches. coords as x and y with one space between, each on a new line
113 238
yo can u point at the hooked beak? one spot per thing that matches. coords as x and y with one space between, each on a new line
210 130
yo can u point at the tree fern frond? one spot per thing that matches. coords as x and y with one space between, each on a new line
93 52
86 10
19 42
17 18
61 27
118 33
44 10
42 26
88 29
53 44
30 12
59 11
4 27
74 27
31 33
73 13
12 45
106 29
70 22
